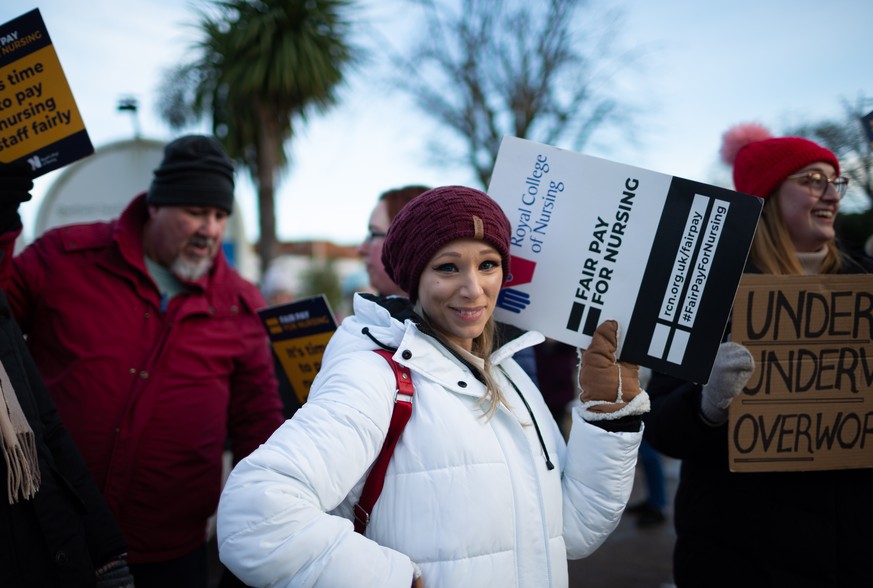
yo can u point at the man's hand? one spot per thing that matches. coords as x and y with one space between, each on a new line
15 186
114 574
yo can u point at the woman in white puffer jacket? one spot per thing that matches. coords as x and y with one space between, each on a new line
482 488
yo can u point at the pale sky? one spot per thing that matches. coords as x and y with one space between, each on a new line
708 65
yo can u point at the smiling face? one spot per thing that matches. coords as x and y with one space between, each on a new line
808 217
458 289
184 239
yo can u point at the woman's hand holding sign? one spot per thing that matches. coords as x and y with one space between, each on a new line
732 368
610 387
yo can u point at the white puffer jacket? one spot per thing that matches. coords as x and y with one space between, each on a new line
468 499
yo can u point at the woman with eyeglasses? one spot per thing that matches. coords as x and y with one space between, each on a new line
801 185
370 250
765 529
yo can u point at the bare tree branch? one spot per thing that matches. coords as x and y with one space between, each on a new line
491 68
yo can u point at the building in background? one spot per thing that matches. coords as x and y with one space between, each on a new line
296 260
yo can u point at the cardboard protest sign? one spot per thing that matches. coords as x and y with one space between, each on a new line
594 240
299 332
39 120
809 403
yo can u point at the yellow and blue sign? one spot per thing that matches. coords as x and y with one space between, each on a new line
299 332
39 120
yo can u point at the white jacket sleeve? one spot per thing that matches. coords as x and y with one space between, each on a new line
598 479
273 526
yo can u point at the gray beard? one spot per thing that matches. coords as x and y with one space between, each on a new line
190 271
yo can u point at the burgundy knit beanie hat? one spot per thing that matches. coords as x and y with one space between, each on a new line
432 220
761 162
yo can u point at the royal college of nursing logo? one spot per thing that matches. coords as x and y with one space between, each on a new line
510 298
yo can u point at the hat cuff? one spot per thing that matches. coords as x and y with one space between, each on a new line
160 195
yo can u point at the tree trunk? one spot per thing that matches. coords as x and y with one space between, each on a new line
269 144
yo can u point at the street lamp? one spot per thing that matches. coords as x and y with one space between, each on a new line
131 105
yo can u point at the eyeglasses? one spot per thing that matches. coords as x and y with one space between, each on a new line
371 234
817 183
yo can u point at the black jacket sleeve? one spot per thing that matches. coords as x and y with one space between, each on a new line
72 519
674 425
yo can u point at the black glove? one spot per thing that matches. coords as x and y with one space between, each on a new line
114 574
16 182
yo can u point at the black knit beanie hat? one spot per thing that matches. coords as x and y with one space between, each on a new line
195 171
437 217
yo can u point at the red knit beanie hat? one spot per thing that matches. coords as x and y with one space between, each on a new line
762 162
432 220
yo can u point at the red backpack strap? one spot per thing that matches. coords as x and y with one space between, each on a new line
399 418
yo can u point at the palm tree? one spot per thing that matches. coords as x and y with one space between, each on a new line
259 65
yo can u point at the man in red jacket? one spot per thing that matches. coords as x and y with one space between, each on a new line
150 346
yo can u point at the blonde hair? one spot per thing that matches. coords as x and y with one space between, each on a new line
482 347
773 251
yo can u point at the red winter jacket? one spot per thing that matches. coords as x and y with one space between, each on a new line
148 396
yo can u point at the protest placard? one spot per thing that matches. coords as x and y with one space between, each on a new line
809 403
299 332
39 120
594 240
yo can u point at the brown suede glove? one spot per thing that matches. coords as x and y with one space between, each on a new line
610 389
